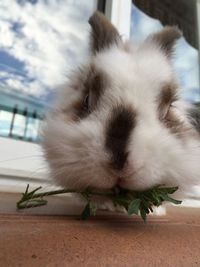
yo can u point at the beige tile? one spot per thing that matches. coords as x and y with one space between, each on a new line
102 241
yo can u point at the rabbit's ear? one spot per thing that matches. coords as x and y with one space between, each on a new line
103 33
166 38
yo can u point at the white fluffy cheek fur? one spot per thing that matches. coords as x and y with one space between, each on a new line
158 157
76 154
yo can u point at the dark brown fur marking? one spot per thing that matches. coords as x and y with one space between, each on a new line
166 98
93 87
118 131
194 117
176 126
103 32
166 113
166 38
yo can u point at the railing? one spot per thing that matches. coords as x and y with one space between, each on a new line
20 124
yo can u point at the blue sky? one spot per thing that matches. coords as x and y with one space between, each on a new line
41 40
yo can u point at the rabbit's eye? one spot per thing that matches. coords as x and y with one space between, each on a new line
166 99
168 109
168 112
86 103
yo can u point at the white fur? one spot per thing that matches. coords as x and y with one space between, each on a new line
76 150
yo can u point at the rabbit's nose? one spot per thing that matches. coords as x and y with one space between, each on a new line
119 128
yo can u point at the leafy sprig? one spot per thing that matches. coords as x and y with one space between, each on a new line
135 202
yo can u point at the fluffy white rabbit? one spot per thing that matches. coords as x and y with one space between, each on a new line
120 120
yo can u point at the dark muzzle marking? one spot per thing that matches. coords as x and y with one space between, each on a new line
119 127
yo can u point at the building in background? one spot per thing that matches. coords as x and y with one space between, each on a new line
20 115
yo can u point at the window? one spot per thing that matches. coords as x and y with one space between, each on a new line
148 17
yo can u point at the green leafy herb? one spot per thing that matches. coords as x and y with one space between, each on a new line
86 212
134 206
135 202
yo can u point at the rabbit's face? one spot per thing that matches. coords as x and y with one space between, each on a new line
119 121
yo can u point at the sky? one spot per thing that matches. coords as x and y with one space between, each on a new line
42 40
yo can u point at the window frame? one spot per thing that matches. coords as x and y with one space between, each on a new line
198 33
119 13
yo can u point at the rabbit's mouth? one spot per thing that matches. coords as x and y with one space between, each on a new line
119 181
126 178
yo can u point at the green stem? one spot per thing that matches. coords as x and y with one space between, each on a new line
63 191
31 204
49 193
31 199
121 197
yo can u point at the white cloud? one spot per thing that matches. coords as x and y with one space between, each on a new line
17 82
53 38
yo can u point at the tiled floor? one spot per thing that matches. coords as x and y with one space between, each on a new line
110 240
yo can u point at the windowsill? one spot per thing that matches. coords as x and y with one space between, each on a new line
53 235
106 240
21 163
69 204
21 157
57 205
